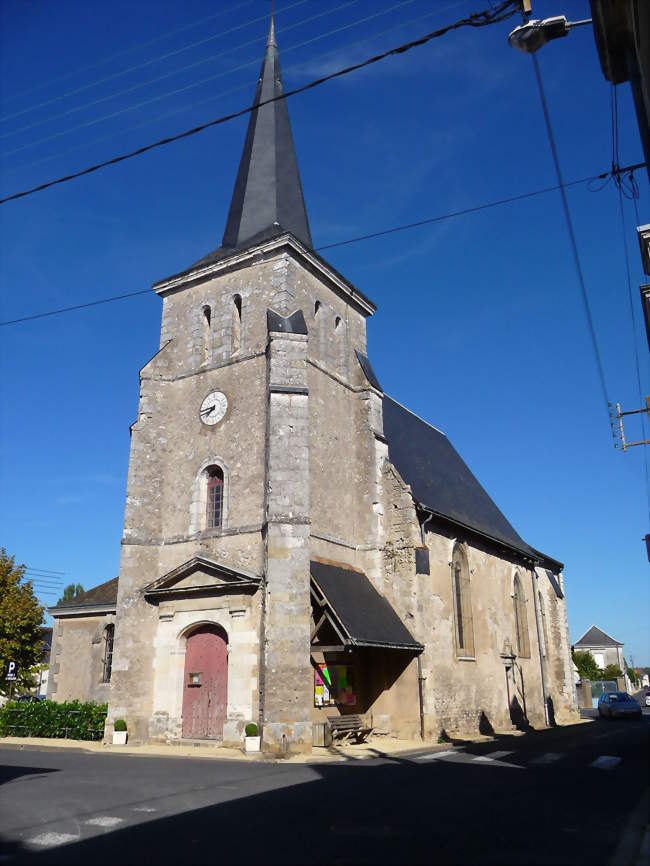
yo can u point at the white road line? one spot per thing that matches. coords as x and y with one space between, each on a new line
491 757
547 758
144 809
606 762
104 821
51 840
434 756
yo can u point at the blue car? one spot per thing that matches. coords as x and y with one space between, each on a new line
620 705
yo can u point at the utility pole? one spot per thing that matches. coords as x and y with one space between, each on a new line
616 423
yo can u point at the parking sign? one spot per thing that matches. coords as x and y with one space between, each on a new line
12 672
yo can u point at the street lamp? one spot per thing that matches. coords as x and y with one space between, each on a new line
531 35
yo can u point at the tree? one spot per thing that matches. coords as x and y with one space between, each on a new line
611 672
71 592
21 616
586 664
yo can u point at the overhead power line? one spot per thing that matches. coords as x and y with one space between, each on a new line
571 233
500 12
193 85
75 109
357 239
189 106
130 69
50 81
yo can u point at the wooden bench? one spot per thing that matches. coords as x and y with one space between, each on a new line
349 726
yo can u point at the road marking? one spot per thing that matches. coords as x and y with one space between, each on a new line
491 757
144 809
606 762
51 840
547 758
434 756
104 821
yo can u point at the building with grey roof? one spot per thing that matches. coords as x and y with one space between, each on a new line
297 544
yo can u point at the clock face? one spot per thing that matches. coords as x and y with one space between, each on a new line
213 408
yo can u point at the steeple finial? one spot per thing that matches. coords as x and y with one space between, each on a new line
267 198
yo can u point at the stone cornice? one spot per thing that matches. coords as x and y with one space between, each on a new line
267 250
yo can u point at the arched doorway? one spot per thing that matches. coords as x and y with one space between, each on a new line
205 686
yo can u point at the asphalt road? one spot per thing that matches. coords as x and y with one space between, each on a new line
567 795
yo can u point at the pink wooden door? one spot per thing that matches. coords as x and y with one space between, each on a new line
205 690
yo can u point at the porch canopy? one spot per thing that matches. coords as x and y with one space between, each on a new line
357 613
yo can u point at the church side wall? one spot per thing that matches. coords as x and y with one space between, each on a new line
459 694
558 665
76 659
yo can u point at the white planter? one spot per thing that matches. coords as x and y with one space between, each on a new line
252 744
119 738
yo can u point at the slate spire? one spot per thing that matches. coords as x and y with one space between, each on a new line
268 193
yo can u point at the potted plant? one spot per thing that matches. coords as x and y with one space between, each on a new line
119 733
252 738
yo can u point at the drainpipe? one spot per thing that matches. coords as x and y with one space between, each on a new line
421 695
539 643
420 677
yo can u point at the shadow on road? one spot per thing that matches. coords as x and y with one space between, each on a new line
393 811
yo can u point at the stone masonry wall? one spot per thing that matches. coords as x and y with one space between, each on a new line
76 659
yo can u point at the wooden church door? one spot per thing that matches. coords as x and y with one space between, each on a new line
205 690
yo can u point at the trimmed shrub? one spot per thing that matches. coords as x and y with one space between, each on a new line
70 720
251 729
120 725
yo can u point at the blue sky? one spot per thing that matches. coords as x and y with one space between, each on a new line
480 327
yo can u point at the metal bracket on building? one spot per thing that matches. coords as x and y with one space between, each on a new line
616 423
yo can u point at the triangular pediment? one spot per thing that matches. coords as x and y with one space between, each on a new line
203 576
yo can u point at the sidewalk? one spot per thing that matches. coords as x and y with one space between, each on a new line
374 748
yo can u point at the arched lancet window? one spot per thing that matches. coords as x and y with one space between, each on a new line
521 621
214 504
236 323
462 599
107 661
542 611
337 323
206 320
317 307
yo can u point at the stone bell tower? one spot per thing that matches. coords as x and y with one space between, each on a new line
217 533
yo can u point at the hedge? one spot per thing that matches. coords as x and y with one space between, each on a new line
71 720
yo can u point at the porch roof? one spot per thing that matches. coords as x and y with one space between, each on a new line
356 610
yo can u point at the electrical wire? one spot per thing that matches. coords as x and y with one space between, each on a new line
571 233
139 46
194 85
383 232
188 107
503 10
174 72
124 72
635 342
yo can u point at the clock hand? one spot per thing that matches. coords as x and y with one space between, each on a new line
208 410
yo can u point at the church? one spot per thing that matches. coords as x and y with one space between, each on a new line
297 544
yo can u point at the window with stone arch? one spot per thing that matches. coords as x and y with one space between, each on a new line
214 498
107 658
206 321
542 612
210 496
236 323
462 602
521 621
